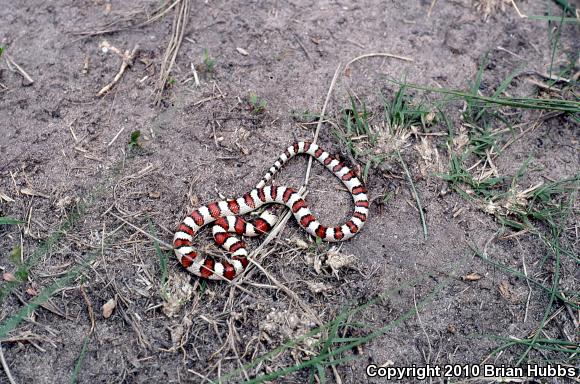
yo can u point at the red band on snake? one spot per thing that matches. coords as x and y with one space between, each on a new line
225 216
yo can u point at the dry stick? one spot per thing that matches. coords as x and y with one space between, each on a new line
90 310
302 46
332 84
112 26
378 55
431 8
177 33
518 10
159 13
232 342
161 242
128 58
195 76
116 137
19 69
5 367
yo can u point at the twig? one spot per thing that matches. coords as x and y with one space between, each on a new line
214 97
178 30
124 22
116 136
5 367
378 55
320 120
302 46
428 358
415 195
431 8
195 76
19 69
518 10
161 242
128 58
90 309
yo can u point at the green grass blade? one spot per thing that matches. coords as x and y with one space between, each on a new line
75 375
5 220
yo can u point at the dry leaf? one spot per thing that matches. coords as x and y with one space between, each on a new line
315 261
8 277
318 287
6 198
471 277
31 291
108 308
504 290
155 194
66 202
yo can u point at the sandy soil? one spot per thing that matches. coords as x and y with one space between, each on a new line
70 175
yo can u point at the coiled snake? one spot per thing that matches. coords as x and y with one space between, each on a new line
225 215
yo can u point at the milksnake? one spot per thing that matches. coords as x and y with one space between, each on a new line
225 215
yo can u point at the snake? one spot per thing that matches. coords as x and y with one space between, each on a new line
226 216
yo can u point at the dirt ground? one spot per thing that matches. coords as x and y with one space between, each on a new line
69 172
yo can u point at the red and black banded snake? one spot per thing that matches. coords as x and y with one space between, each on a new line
225 216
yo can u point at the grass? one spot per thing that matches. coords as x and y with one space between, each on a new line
10 322
542 210
335 349
43 249
208 62
373 140
79 363
5 220
257 105
163 260
305 116
415 195
487 102
566 7
134 140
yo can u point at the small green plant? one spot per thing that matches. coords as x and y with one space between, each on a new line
305 116
208 61
171 81
134 141
257 105
1 50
